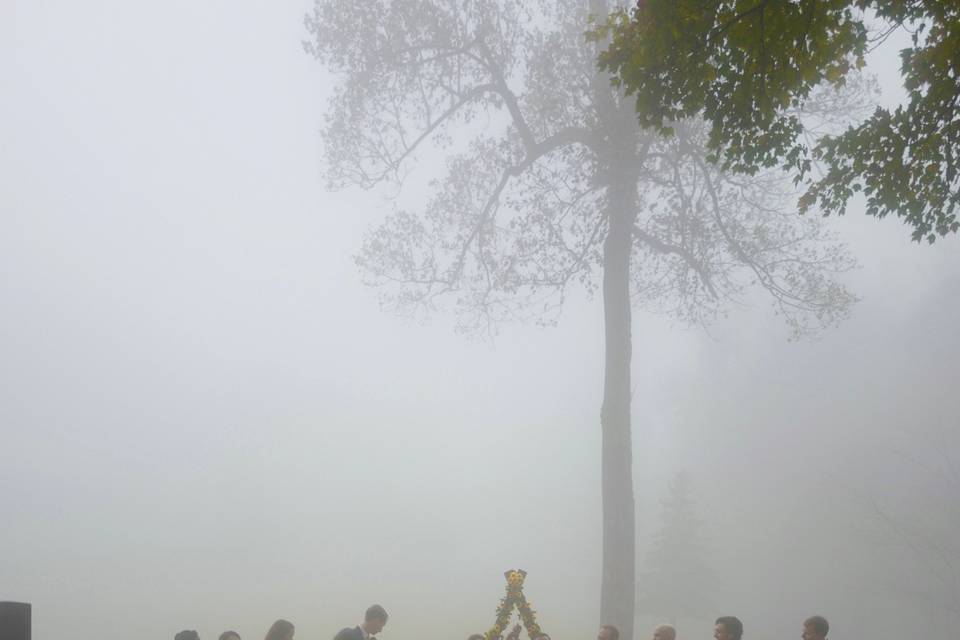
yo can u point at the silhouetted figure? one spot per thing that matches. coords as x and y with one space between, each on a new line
374 620
187 635
608 632
665 632
728 628
15 621
229 635
280 630
815 628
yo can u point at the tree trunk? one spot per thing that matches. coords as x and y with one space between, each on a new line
617 597
618 136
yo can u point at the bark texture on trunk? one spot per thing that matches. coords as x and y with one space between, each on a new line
617 598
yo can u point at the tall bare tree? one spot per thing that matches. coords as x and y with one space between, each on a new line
678 581
921 519
551 183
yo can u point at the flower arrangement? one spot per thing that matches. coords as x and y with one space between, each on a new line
514 598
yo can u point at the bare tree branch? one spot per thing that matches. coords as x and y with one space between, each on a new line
658 245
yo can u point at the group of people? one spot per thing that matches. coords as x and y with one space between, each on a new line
726 628
375 618
373 622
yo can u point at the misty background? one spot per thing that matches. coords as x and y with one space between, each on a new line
206 422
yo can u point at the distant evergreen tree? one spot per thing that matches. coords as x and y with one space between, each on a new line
677 580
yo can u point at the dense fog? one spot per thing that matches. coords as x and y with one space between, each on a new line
207 422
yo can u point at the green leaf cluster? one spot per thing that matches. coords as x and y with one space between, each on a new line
749 66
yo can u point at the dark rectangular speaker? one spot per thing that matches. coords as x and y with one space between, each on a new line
14 621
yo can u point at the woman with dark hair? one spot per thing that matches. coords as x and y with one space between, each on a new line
281 630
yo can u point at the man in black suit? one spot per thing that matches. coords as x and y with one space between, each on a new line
373 621
728 628
815 628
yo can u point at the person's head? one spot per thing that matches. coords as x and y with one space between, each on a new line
728 628
815 628
475 636
665 632
608 632
375 619
187 635
280 630
229 635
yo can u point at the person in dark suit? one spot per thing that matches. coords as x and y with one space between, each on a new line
815 628
280 630
665 632
608 632
728 628
374 620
